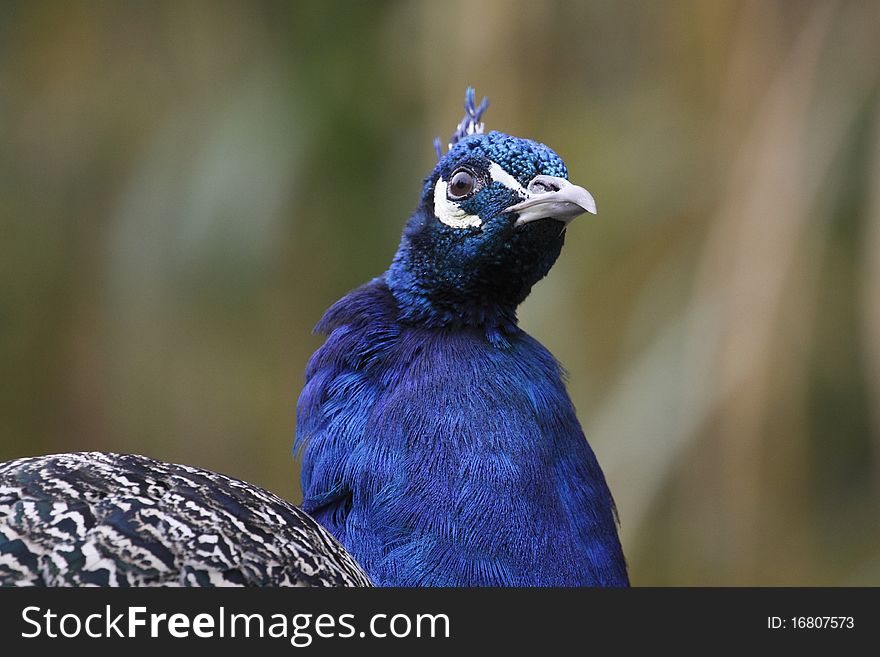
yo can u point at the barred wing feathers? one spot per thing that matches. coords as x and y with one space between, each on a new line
99 519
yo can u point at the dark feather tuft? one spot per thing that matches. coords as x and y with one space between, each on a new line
470 124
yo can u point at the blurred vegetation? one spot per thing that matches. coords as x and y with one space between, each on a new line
186 186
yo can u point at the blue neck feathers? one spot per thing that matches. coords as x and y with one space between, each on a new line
439 458
438 282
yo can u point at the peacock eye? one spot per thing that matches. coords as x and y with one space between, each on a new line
461 185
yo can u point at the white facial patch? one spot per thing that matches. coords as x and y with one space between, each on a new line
451 214
500 175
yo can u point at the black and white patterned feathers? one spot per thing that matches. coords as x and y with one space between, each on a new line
101 519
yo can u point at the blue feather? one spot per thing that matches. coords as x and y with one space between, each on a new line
462 463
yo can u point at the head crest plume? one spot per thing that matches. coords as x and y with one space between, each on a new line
469 125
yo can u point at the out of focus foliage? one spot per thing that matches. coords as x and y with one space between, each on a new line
186 186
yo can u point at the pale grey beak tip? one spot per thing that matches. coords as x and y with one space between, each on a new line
590 204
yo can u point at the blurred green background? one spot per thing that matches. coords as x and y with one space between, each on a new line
186 186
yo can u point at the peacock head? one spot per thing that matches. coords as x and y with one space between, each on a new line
490 223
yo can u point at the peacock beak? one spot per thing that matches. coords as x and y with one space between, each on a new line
550 197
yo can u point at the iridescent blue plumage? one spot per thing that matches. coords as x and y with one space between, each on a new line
439 443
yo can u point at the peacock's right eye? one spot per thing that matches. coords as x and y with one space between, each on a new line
461 185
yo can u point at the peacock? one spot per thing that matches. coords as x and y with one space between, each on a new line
439 445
